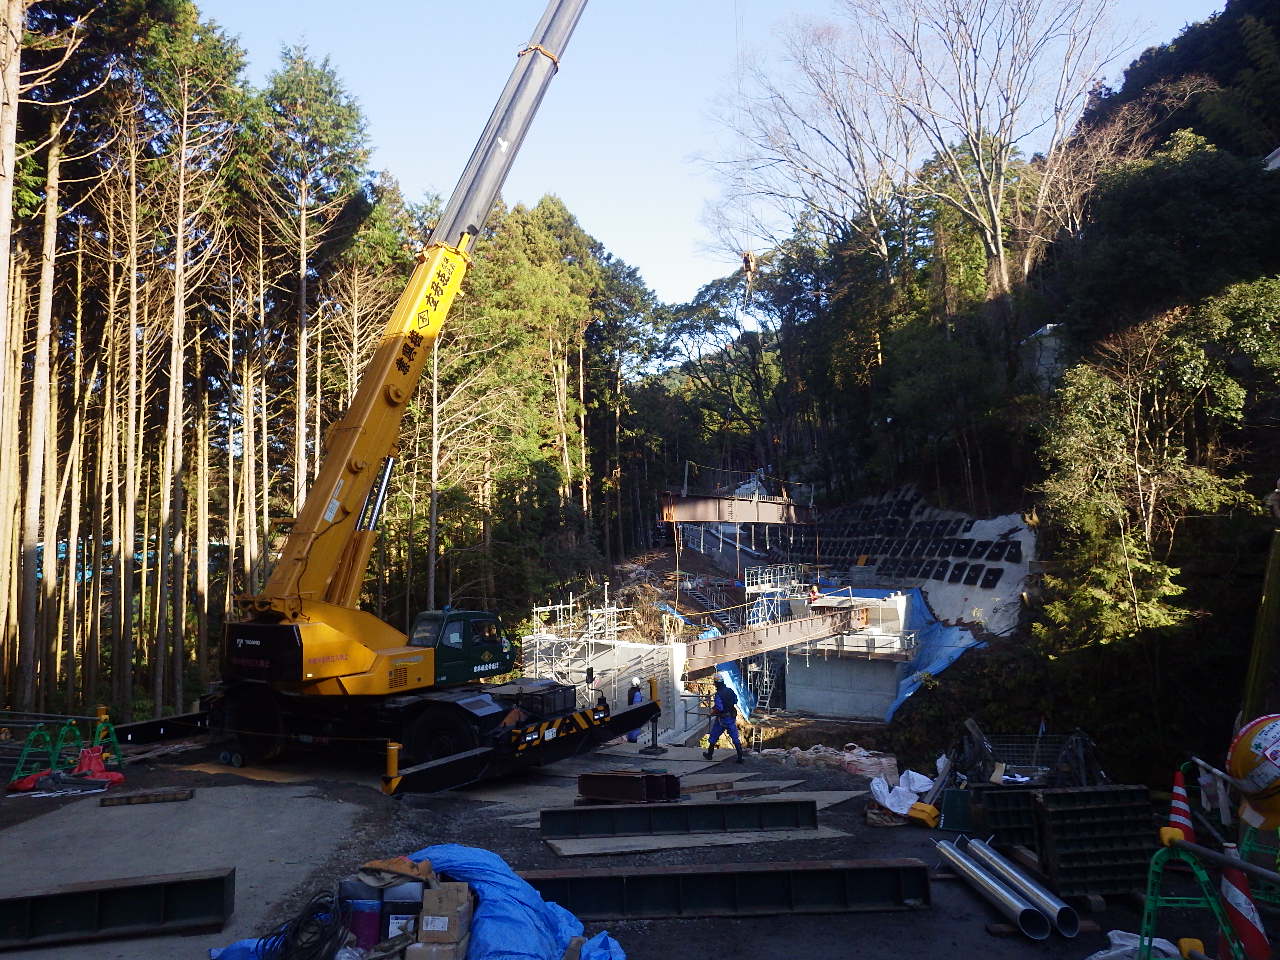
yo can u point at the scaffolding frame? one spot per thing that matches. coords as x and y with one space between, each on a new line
575 637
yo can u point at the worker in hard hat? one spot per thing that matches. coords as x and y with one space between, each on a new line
634 696
724 709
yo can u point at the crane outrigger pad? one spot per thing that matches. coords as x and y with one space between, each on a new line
531 746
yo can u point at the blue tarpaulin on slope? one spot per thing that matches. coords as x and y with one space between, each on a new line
729 672
712 631
937 644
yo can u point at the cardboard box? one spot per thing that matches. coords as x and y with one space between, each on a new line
438 951
401 905
446 913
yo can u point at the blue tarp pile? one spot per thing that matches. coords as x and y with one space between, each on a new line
511 920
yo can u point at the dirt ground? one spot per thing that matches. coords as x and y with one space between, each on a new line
954 925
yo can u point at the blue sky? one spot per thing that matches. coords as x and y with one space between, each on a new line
620 128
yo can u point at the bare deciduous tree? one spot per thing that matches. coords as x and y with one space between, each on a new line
984 82
1123 136
973 87
823 146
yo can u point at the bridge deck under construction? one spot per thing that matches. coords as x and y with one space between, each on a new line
700 508
704 653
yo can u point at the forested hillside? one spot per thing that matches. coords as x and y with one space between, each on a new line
199 270
1078 322
1030 293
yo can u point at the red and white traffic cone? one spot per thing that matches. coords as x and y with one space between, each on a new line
1241 912
1180 811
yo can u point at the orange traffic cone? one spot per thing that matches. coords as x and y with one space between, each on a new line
1241 912
1180 812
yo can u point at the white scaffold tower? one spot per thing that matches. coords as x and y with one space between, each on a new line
583 646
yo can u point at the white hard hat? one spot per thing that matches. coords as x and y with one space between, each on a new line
635 681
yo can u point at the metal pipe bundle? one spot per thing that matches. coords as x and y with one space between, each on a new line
1064 917
1012 904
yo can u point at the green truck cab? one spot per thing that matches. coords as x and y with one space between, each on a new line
469 644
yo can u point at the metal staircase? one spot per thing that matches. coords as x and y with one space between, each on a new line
715 603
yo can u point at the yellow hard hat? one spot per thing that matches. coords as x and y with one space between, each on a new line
1254 759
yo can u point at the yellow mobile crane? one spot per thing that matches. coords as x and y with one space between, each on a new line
307 662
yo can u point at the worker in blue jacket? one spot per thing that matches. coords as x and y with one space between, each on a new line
724 708
635 696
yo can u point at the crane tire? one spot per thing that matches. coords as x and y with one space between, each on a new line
256 726
435 734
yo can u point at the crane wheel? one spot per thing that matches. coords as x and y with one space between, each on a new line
436 734
255 725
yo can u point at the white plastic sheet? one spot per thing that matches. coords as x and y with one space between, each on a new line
1124 946
915 781
899 799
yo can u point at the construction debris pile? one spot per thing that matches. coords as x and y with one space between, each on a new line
852 759
1058 829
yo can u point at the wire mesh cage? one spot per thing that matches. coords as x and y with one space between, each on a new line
1031 750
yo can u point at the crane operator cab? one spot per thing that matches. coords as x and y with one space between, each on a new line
468 644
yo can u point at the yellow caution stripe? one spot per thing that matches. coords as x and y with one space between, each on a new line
525 738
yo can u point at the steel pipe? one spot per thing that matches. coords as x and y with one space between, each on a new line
1064 917
1222 860
1012 904
1214 771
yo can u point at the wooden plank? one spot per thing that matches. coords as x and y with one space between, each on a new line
715 786
632 752
742 793
719 776
591 763
169 795
823 798
755 787
603 846
134 754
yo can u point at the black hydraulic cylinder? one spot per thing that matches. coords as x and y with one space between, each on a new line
478 188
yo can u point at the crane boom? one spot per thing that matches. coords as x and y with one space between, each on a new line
307 664
327 551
